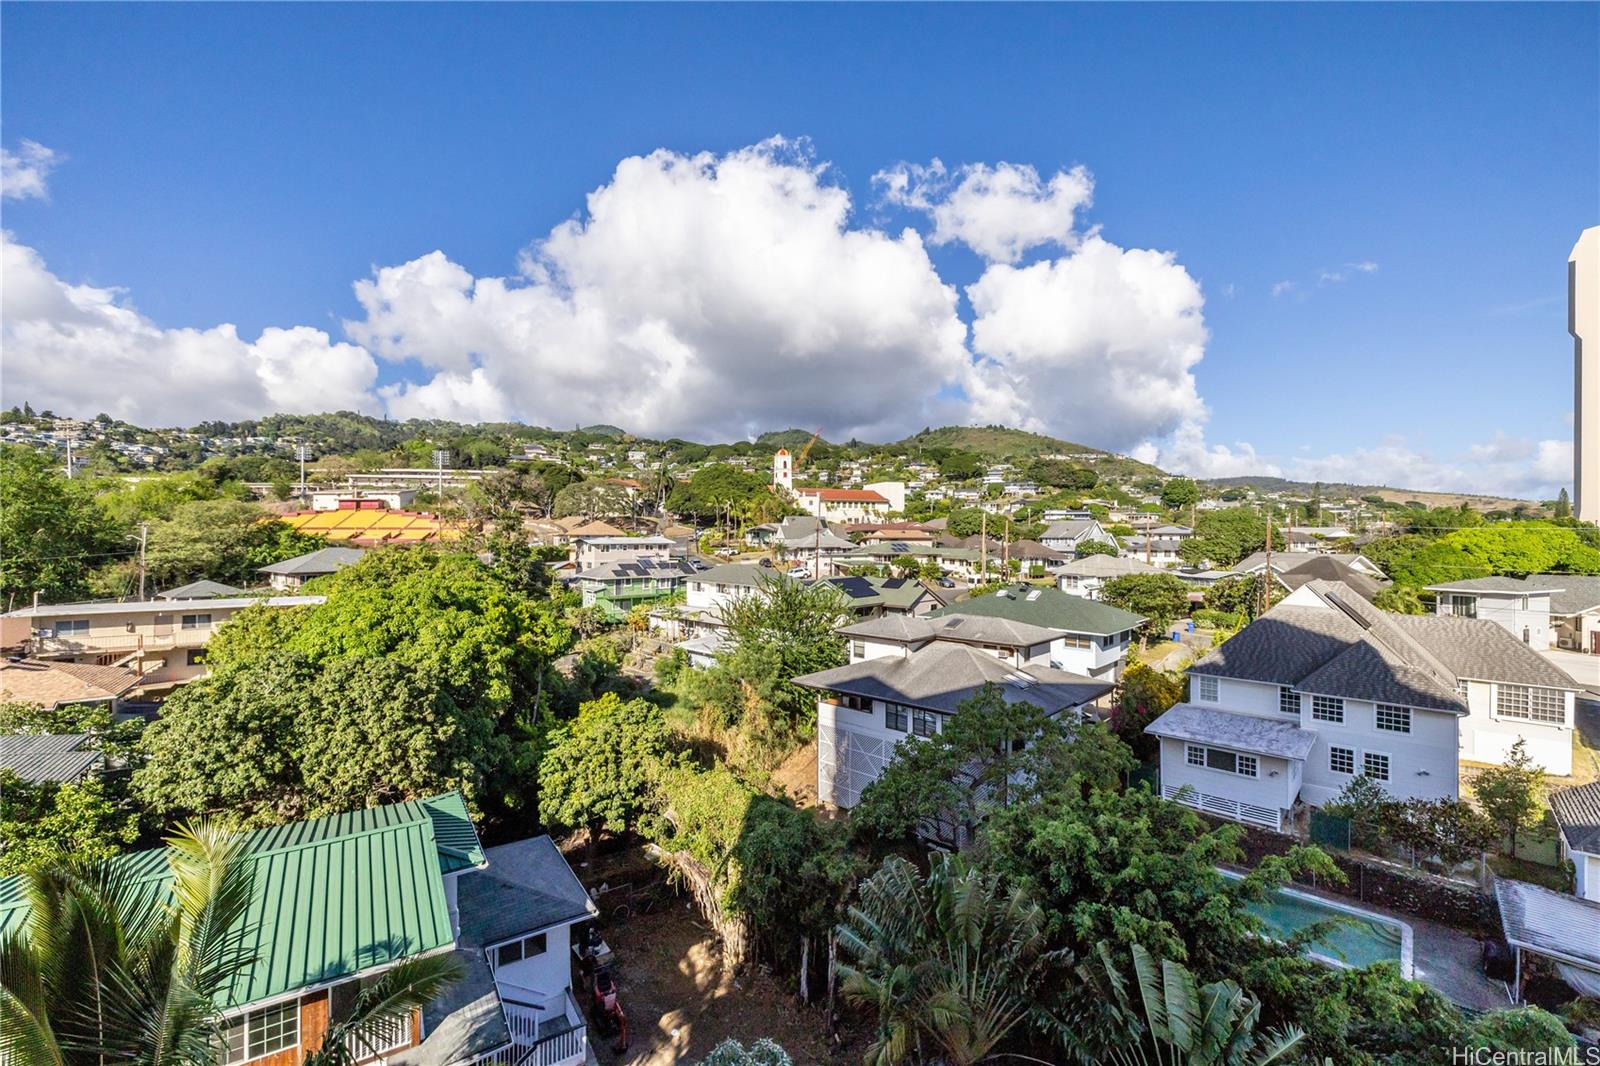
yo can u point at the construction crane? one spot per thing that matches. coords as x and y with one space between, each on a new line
807 449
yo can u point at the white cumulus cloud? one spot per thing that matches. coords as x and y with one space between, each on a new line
705 296
24 174
1099 345
998 211
82 349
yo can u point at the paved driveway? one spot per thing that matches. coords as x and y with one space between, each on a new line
1584 669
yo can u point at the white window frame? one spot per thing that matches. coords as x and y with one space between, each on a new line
194 621
924 723
1286 693
1395 713
1207 689
521 943
254 1043
1334 752
1388 765
1240 760
1327 709
1507 698
70 627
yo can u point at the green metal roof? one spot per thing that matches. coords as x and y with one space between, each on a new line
333 896
1048 607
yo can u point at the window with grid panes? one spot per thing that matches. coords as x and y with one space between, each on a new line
1342 760
261 1032
1392 719
1327 709
1375 765
1547 705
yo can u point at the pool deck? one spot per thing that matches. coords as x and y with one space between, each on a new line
1445 958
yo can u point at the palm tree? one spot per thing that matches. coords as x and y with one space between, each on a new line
112 968
108 969
401 989
951 964
1177 1022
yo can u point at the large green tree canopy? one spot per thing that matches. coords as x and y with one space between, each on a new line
52 532
1508 548
420 673
717 490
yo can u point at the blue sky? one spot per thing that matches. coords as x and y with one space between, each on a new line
247 164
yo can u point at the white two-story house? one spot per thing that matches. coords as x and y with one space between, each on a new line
590 552
1088 575
1325 687
1067 534
1092 637
1541 610
697 628
907 675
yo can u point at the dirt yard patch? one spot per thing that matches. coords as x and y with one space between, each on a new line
681 1003
797 775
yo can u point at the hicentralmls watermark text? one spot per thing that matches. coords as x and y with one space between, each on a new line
1562 1056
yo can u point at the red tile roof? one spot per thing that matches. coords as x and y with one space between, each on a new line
844 495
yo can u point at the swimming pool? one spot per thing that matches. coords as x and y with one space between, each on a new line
1360 939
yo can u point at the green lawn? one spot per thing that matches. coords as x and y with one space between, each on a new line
1536 873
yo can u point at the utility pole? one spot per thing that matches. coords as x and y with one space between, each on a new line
1266 575
144 534
1005 553
302 453
69 458
983 547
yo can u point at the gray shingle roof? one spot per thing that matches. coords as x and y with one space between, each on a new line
960 628
1068 529
1371 670
1109 566
526 886
1230 729
1551 923
903 628
748 575
1350 648
1327 568
321 561
1577 812
1283 562
42 757
199 590
943 675
1282 646
1049 608
1569 593
1485 584
1483 650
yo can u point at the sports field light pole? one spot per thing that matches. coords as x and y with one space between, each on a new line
302 453
441 456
